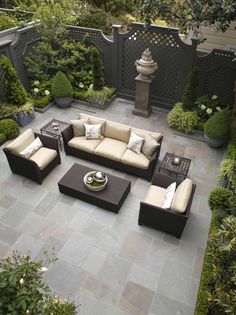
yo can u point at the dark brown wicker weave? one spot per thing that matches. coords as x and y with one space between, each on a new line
29 168
68 134
161 219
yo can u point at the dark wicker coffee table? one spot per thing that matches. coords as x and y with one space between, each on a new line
177 170
111 198
48 129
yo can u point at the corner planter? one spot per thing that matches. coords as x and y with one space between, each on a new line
44 109
214 143
63 102
24 118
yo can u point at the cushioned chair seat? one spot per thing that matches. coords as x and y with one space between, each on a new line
43 157
111 149
83 144
21 142
155 196
134 159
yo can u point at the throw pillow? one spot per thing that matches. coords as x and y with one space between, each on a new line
169 195
135 143
32 148
149 146
93 131
78 127
182 196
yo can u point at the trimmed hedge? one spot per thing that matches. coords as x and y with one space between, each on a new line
3 138
10 128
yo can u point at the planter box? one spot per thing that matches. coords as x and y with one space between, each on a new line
94 104
43 110
24 119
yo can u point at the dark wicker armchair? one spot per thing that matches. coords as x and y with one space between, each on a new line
29 168
165 220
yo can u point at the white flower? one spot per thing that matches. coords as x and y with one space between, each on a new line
27 311
91 86
43 269
90 72
81 85
46 92
36 83
36 90
22 281
218 108
203 107
214 97
209 111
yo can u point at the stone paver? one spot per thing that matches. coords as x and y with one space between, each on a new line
107 263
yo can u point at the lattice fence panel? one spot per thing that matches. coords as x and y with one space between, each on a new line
97 38
217 74
174 58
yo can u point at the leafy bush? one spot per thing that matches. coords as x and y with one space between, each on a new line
23 290
7 111
82 95
218 126
7 21
190 94
14 91
98 70
206 107
222 261
219 198
181 120
226 171
10 128
41 102
98 97
61 86
3 138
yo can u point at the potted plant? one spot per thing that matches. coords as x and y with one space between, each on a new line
217 129
62 90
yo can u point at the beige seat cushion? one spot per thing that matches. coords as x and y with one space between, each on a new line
155 196
134 159
21 142
182 195
43 157
117 131
111 149
95 121
78 126
155 135
83 144
149 146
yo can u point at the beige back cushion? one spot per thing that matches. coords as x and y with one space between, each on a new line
149 146
155 135
117 131
78 126
21 142
182 196
95 121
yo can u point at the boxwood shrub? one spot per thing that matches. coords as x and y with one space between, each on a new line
218 126
220 198
3 138
10 128
61 86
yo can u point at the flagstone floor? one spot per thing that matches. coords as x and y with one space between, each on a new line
107 263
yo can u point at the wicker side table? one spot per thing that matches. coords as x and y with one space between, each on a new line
50 129
168 166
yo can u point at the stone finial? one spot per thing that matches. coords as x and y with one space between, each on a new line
146 66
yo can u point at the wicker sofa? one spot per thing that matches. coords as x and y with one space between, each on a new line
40 164
112 149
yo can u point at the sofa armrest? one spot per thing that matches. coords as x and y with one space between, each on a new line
67 134
48 142
163 180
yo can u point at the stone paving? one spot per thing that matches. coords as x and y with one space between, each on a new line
107 263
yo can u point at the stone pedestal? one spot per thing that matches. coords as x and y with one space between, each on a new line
143 96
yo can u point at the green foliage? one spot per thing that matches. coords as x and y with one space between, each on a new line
98 70
23 291
61 86
10 128
14 91
218 126
181 120
98 97
3 138
7 111
7 21
206 107
222 261
190 94
41 102
220 198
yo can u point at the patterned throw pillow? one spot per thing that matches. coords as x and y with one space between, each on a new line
135 143
78 126
170 191
93 131
32 148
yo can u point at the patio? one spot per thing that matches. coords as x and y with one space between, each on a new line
107 263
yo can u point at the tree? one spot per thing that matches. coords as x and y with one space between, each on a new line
189 14
98 70
190 94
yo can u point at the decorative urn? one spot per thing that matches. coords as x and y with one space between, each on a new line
146 66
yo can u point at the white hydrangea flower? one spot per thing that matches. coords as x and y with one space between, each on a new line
43 269
46 92
22 281
214 97
27 311
36 83
90 72
91 86
209 111
36 90
81 85
203 107
218 108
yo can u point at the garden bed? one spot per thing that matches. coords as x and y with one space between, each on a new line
44 109
95 104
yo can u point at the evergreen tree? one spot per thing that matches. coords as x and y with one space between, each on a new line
190 93
98 70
